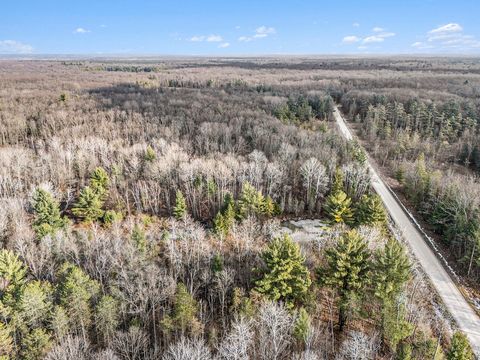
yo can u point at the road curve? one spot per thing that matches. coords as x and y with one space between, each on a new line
466 319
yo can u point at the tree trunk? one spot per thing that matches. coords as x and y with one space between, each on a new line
342 317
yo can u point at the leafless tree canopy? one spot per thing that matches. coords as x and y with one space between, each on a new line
197 162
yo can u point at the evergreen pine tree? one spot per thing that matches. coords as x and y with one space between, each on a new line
47 218
391 271
184 314
270 208
138 237
242 305
460 348
404 352
370 211
36 345
228 209
224 220
150 154
34 303
111 216
6 342
394 324
217 263
180 208
89 205
106 318
337 184
347 271
302 325
337 208
12 273
59 322
251 201
219 226
99 182
285 278
76 292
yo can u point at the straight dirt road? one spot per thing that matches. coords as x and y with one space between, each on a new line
465 317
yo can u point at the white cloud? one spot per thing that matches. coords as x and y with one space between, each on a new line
14 47
264 31
449 37
350 39
103 26
197 38
237 27
214 38
386 34
378 37
224 45
260 33
373 39
355 24
448 28
208 38
81 30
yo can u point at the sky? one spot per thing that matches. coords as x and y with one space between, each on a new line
248 27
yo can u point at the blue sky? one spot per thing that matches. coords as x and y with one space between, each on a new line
239 27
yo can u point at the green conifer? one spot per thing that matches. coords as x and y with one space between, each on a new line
347 272
100 182
370 211
89 205
302 325
338 208
180 208
460 348
285 277
47 218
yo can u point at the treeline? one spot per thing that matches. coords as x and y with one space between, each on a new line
128 68
414 126
302 109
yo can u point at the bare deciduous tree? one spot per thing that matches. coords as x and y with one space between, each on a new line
358 346
237 343
274 326
187 349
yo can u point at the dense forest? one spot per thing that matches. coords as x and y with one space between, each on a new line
432 147
142 207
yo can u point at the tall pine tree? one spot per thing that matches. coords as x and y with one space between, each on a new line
338 208
391 271
347 272
180 208
47 217
89 205
370 211
285 277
